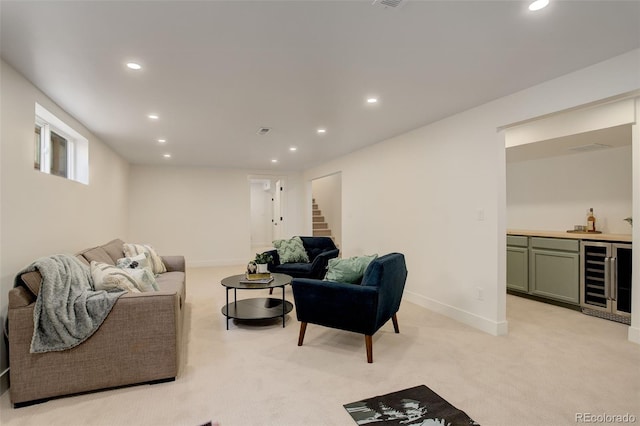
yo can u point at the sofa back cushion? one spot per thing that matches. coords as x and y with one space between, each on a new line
97 254
114 249
316 245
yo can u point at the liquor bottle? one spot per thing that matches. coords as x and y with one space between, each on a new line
591 221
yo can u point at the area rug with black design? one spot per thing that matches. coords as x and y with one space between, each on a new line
417 406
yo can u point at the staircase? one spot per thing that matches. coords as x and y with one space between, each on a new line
320 226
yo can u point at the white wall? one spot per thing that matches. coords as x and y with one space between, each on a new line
556 193
438 194
327 192
202 213
43 214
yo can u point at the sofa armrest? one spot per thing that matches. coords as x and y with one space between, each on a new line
174 263
339 305
320 263
275 258
20 297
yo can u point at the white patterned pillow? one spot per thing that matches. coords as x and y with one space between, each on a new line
291 251
132 250
145 281
111 278
143 260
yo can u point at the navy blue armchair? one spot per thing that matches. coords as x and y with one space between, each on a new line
360 308
319 250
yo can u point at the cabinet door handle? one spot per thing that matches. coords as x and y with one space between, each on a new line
614 278
607 277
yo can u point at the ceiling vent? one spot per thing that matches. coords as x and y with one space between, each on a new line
589 147
263 131
386 4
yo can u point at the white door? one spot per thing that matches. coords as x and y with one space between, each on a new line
261 214
278 225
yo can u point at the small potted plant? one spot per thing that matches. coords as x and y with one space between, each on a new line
262 259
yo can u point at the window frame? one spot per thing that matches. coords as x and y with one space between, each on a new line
77 146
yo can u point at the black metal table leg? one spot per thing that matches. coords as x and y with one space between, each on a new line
283 307
227 307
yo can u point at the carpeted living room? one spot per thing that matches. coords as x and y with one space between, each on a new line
256 374
206 130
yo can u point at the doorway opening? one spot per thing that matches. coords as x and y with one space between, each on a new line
327 207
559 167
267 219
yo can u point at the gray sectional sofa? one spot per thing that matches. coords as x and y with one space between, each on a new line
140 341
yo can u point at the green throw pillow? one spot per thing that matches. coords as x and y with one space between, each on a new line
291 251
348 270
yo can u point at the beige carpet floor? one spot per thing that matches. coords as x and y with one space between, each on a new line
553 365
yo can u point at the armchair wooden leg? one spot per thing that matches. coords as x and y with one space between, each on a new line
369 343
394 318
303 328
271 290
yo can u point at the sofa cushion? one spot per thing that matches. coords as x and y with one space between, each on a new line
294 269
114 249
131 250
317 245
98 254
348 270
170 281
291 251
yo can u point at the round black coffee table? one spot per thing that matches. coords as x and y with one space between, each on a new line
258 308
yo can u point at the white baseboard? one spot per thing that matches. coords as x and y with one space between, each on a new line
219 262
634 335
4 381
483 324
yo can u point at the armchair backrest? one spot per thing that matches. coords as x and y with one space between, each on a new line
389 274
316 245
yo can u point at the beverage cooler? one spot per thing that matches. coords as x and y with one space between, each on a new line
605 280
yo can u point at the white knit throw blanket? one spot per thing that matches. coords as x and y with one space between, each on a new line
67 311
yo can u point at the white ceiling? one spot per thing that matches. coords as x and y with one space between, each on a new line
216 71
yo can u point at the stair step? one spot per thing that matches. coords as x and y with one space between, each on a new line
317 212
320 225
322 232
315 207
318 219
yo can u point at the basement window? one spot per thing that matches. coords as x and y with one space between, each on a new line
58 149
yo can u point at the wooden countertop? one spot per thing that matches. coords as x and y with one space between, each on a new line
575 236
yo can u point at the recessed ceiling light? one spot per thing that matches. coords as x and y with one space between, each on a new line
134 66
372 100
322 130
293 148
167 155
274 161
153 116
162 140
538 4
